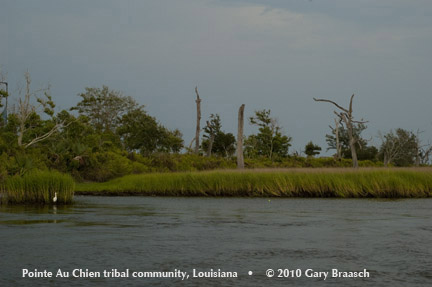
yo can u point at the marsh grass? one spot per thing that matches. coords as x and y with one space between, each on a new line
343 183
38 187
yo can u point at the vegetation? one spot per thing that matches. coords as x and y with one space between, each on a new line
311 149
399 148
343 183
215 141
269 142
108 135
364 151
38 187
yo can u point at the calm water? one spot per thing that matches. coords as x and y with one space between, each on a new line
392 240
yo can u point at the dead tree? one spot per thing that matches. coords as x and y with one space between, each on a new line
346 116
197 132
240 159
26 109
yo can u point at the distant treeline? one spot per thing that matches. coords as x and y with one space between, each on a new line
108 134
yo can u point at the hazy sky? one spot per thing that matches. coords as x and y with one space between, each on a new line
273 54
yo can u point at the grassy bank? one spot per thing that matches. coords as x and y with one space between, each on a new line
38 187
381 183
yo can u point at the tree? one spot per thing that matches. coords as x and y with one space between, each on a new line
311 149
171 141
340 138
104 107
399 148
26 115
337 143
197 131
346 116
215 140
425 153
224 144
141 132
3 95
240 159
269 141
212 128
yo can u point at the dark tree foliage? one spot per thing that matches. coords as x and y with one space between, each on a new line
141 132
217 142
212 128
269 141
223 145
104 107
311 149
364 152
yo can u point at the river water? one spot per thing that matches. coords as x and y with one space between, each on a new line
392 240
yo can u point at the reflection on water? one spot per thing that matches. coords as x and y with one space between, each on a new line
391 239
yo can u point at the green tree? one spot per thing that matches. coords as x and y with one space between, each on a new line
171 141
399 148
212 128
269 141
223 145
141 132
217 141
363 151
104 107
311 149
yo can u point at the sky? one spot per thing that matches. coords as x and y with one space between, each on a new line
266 54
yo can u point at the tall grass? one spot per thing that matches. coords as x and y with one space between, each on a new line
384 183
38 187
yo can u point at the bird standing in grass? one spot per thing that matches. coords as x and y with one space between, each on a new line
55 197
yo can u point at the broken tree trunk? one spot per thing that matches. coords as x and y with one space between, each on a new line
197 133
240 159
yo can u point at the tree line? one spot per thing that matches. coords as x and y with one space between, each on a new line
107 134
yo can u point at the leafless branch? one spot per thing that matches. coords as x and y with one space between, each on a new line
328 101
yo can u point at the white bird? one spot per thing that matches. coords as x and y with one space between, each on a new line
55 197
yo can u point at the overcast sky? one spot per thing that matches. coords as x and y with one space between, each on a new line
273 54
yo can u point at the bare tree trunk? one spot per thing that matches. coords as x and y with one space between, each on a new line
240 159
197 133
210 146
353 148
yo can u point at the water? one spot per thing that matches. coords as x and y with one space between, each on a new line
392 240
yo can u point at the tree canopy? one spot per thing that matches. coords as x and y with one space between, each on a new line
104 107
269 141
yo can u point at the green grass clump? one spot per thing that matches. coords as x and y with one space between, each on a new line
342 183
38 187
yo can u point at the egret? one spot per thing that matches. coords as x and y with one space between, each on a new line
55 197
